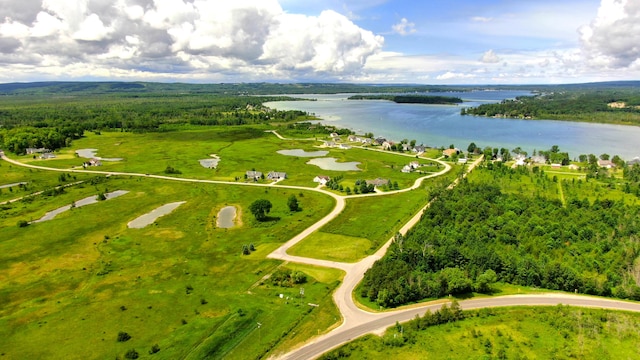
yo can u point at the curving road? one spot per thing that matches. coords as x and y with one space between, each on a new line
356 321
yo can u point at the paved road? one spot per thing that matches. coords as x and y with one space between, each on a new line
384 320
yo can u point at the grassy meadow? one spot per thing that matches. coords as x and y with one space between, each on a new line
559 332
181 283
240 148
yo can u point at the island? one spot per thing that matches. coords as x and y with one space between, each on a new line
411 99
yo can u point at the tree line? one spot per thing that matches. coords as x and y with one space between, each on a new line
53 123
476 234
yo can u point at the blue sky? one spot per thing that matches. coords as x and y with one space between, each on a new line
373 41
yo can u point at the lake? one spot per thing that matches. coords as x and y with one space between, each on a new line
442 125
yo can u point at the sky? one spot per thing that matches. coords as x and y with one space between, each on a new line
355 41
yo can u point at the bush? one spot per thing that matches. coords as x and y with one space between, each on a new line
131 354
154 349
123 336
23 223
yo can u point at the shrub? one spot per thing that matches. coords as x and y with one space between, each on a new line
131 354
123 336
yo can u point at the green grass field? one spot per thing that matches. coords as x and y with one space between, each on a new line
559 332
181 282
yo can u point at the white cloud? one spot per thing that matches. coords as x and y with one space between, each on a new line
454 76
404 27
92 29
248 39
490 57
612 38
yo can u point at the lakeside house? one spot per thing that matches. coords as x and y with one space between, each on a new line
387 145
538 159
419 149
47 155
406 169
635 161
556 166
414 165
462 160
276 175
607 164
329 144
344 146
255 175
450 152
321 179
92 162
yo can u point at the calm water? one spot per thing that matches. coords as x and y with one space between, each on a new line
302 153
333 164
442 125
149 218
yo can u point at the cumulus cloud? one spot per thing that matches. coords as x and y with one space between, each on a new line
157 38
490 57
404 27
612 38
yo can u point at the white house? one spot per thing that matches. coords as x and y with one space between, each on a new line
321 179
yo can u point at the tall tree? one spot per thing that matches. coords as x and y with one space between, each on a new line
260 208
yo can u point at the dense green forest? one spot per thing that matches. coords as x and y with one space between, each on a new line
619 106
477 234
220 89
410 99
53 121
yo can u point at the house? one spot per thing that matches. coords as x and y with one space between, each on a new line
635 161
387 145
406 169
462 160
255 175
92 162
377 182
606 164
354 138
344 146
276 175
367 141
37 150
418 149
414 165
450 152
321 179
334 135
380 140
573 167
556 166
329 144
538 159
47 156
406 147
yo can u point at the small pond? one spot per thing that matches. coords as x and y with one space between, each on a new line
302 153
210 163
83 202
332 164
226 215
91 154
149 218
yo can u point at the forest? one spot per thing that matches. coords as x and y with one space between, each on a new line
411 99
617 106
477 234
54 121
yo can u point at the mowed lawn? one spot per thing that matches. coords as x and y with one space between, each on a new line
68 286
